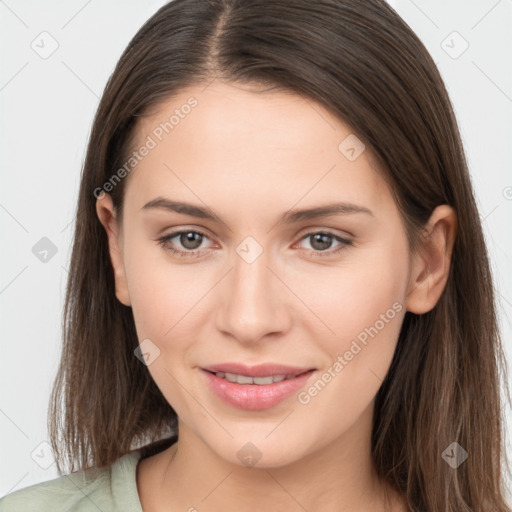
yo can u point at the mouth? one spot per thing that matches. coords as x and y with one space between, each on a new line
255 387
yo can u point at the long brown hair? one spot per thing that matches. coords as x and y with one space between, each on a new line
364 63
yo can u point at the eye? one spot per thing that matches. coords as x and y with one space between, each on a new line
189 239
321 242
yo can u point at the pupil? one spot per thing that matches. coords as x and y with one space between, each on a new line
187 239
323 239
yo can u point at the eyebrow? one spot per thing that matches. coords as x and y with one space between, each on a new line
289 217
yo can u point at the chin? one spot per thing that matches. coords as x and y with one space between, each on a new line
260 450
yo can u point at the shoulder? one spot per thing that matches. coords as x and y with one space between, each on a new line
108 489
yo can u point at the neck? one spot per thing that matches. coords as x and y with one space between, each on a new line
337 477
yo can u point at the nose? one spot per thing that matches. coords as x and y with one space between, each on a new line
254 302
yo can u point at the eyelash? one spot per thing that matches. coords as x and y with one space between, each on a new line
163 241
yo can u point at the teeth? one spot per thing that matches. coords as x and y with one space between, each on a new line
266 380
241 379
244 379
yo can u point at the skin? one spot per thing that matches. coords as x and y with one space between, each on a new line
251 157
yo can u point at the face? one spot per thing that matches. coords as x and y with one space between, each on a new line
249 283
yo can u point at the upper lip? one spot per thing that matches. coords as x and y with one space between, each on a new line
259 370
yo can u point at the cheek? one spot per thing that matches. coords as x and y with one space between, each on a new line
163 294
359 358
348 298
361 305
165 300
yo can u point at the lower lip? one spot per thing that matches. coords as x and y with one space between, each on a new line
255 397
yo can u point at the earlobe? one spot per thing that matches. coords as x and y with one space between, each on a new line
431 266
107 216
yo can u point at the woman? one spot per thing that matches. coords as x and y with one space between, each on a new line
279 294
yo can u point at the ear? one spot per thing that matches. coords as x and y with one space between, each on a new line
430 267
108 218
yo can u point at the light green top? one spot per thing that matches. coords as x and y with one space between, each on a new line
109 489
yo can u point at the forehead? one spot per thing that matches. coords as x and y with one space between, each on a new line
258 119
226 140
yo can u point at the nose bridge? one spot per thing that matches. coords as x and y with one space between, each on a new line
251 307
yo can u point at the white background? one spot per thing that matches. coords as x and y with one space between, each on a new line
47 109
